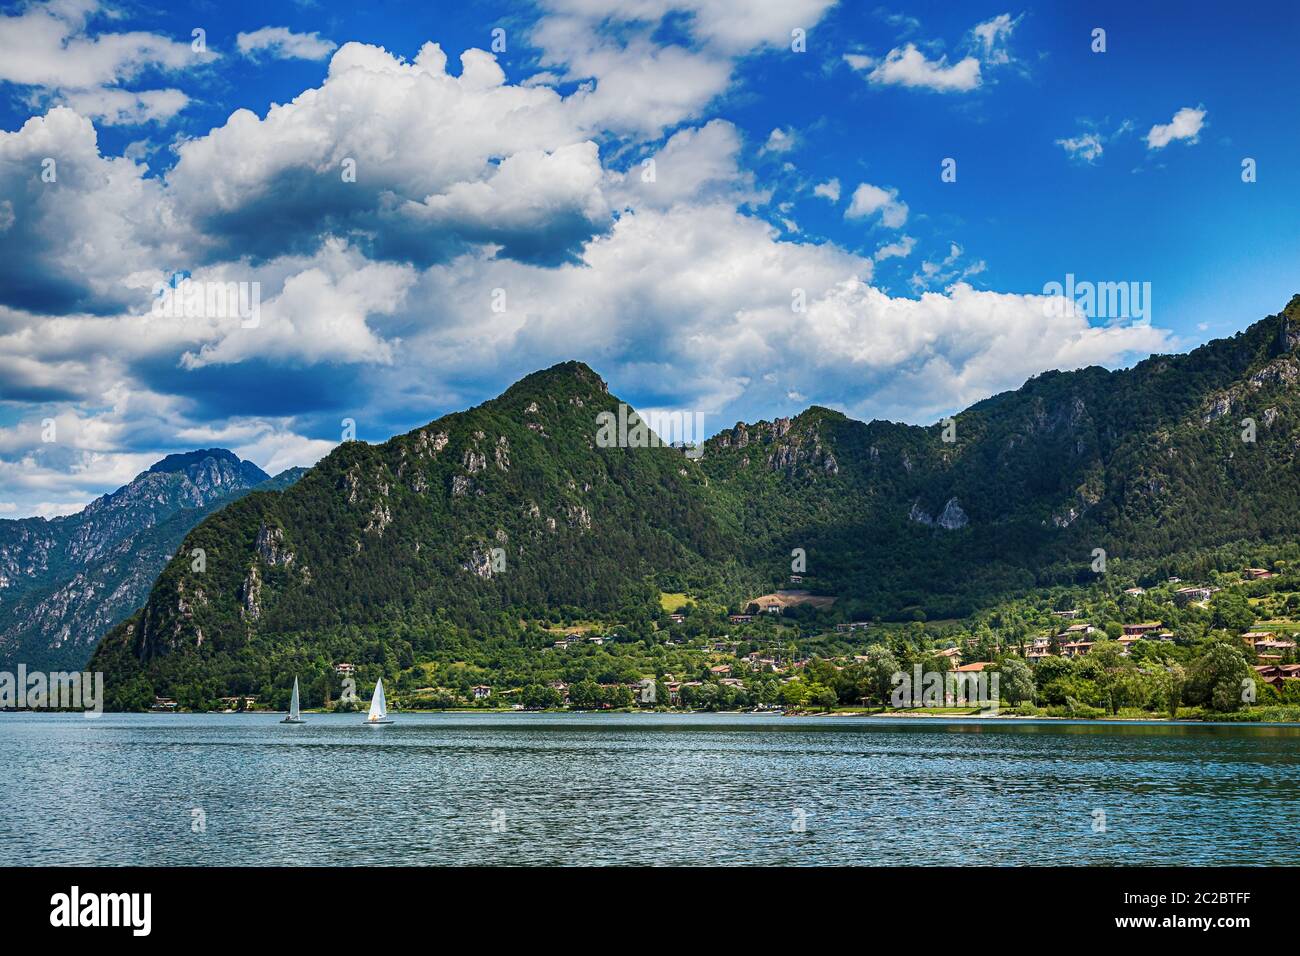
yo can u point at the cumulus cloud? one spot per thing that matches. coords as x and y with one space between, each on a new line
907 66
779 141
439 162
46 44
699 164
1186 124
896 250
377 293
829 190
636 84
48 47
281 43
869 200
79 221
117 107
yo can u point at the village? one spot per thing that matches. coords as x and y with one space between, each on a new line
785 652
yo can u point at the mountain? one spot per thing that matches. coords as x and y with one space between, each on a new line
64 582
513 510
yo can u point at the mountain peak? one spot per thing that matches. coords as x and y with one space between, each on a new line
186 460
562 374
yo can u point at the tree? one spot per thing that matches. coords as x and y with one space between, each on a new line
878 672
819 695
1172 684
1232 612
1218 676
1015 682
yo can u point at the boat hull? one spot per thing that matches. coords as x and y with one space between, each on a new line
377 723
293 720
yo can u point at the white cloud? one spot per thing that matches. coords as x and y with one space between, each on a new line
318 316
1186 124
641 86
1086 147
477 158
779 141
828 190
868 200
283 44
381 289
695 165
908 66
71 241
992 37
896 250
46 44
117 107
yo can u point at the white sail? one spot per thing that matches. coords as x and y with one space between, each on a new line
378 706
293 702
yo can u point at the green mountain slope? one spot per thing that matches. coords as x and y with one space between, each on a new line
511 510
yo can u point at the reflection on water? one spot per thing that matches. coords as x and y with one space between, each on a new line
589 788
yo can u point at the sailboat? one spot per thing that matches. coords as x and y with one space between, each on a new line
378 706
294 717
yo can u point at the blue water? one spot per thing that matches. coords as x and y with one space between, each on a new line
629 788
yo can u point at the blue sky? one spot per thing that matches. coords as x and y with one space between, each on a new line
779 174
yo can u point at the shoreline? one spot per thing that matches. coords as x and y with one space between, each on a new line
909 715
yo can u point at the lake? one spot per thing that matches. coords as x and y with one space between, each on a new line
582 789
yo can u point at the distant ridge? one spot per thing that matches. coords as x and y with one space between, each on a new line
65 581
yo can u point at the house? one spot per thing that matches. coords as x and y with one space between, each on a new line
855 626
1137 630
1126 643
344 670
796 579
481 691
561 687
1271 645
1079 629
1135 591
1275 674
1068 615
1188 595
952 653
677 618
1076 648
732 682
974 668
1165 636
720 670
1257 574
164 704
1042 647
596 639
740 618
674 689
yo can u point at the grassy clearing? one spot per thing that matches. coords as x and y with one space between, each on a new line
670 601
